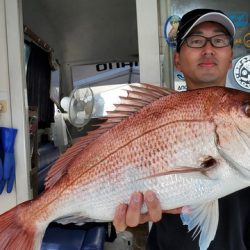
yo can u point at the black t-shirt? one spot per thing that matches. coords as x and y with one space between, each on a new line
233 232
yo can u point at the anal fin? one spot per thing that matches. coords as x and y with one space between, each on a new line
77 219
204 219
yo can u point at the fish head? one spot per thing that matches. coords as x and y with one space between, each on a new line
239 107
232 122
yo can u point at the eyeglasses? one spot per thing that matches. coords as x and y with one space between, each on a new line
218 41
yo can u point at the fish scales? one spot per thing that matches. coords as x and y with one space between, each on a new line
178 146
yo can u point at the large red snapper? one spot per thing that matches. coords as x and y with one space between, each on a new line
190 148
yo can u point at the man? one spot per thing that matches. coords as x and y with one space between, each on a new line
204 55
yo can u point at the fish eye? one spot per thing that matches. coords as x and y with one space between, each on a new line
247 108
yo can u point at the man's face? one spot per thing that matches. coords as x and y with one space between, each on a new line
206 66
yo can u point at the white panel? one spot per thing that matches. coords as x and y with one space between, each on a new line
3 48
19 107
6 200
148 39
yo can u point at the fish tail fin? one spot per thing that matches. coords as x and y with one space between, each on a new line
18 233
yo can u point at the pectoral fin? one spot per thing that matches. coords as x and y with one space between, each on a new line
204 219
207 164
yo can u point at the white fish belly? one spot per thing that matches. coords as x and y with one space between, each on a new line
99 198
98 201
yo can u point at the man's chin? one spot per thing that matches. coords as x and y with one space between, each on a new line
202 84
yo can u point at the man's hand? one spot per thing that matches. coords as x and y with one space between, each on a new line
130 215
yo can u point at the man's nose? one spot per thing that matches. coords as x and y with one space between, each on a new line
208 48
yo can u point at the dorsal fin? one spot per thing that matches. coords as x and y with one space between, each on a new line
137 97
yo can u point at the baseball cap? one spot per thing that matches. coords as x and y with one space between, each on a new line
197 16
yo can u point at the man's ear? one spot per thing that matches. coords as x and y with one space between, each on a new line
177 61
231 59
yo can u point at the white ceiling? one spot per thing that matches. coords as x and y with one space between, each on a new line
82 31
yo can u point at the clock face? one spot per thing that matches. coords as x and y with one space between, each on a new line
242 72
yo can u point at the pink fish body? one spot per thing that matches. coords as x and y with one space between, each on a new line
190 148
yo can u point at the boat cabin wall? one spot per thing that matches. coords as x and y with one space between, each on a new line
84 32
